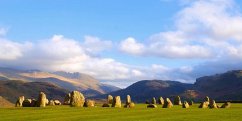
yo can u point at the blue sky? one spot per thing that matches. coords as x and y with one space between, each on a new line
123 41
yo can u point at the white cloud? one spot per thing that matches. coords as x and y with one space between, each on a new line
10 50
60 53
130 46
95 44
202 28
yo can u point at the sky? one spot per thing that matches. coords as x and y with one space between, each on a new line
123 41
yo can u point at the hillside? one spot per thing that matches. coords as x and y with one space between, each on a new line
226 86
12 89
146 89
70 81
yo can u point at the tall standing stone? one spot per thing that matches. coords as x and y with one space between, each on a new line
167 103
153 101
42 99
129 103
117 102
190 102
203 105
161 101
177 101
110 99
128 99
19 102
67 99
207 100
77 99
185 104
213 104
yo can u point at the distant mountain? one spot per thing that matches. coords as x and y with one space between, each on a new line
226 86
69 81
12 89
146 89
221 87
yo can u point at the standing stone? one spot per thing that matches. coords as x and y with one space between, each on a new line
34 103
177 101
185 104
47 101
128 99
89 103
57 102
42 99
190 102
151 106
105 105
110 99
153 101
161 101
27 103
203 105
213 104
129 103
67 99
226 105
167 103
77 99
117 102
19 102
207 100
51 103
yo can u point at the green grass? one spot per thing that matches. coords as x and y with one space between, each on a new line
139 113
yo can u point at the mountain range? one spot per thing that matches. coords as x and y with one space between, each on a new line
221 87
14 82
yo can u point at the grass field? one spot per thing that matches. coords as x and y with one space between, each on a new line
139 113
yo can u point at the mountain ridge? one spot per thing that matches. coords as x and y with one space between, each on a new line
224 86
